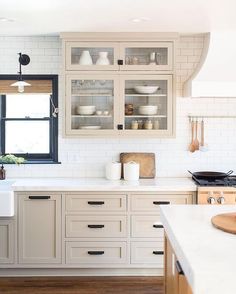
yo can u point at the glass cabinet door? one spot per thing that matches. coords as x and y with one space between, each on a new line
147 105
147 56
91 104
91 56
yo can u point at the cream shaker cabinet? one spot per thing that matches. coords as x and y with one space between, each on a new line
39 228
7 241
119 85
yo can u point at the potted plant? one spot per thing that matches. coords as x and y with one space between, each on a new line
9 159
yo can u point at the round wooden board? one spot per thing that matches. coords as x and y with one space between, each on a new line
225 222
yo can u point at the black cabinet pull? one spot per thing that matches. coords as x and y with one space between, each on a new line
179 268
158 252
120 62
39 197
161 202
96 226
119 127
158 226
96 202
95 252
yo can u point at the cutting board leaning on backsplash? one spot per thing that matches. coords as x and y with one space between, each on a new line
145 160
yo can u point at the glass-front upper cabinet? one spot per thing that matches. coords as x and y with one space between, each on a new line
92 56
91 104
147 105
147 56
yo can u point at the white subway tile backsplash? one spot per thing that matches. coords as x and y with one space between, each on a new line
87 157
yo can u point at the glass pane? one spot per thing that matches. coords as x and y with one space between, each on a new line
92 56
146 56
92 104
27 137
27 105
145 104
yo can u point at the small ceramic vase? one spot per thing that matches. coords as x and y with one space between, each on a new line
85 58
103 59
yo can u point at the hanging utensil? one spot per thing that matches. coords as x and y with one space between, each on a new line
203 147
192 145
196 142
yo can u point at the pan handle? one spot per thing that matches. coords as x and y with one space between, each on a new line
229 172
190 172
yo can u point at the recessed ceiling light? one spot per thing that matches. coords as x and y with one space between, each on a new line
4 19
139 19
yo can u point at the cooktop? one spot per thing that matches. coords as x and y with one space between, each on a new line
229 181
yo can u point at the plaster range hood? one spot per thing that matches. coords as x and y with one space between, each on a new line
216 74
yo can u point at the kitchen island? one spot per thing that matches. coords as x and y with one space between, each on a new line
206 255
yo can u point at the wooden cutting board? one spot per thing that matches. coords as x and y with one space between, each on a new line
225 222
146 161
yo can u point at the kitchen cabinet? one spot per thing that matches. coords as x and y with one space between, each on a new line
7 241
175 280
147 56
39 228
139 73
107 230
109 94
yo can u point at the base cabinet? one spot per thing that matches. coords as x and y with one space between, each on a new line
39 228
175 280
6 241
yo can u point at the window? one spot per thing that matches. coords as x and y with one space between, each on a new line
29 123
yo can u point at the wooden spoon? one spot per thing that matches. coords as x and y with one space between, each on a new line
196 142
203 145
192 145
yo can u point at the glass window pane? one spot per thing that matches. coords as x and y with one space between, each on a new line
28 105
27 137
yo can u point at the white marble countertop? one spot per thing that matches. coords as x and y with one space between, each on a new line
101 184
206 254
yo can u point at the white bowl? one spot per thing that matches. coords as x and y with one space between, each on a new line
146 89
86 109
148 109
90 127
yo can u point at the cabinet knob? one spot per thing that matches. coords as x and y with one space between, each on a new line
158 252
96 252
96 202
120 62
39 197
161 202
96 226
120 127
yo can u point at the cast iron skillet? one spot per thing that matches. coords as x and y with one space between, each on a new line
208 175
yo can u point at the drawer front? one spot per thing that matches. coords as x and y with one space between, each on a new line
146 202
146 226
96 252
148 252
96 226
95 203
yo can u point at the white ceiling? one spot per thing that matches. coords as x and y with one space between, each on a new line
33 17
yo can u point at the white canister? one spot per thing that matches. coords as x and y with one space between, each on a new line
113 170
131 171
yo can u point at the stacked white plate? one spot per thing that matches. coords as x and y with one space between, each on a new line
86 110
148 109
145 89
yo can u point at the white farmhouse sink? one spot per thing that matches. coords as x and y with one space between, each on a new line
6 198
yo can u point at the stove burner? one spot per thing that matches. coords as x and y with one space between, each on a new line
226 182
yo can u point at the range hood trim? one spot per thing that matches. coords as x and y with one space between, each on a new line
187 87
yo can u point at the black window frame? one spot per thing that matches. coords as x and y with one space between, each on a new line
52 156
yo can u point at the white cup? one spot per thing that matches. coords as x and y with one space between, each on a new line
131 171
113 171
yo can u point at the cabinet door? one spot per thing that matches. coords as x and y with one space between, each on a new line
91 56
148 105
171 282
147 56
92 106
39 228
6 241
